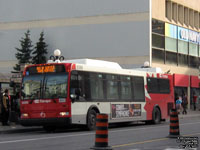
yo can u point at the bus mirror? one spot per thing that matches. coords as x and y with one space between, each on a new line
73 97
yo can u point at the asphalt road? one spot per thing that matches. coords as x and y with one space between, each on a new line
134 136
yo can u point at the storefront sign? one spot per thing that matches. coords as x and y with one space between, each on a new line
170 30
126 110
184 34
188 35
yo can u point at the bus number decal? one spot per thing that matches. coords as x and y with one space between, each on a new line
126 110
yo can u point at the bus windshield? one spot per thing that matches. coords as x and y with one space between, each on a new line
44 86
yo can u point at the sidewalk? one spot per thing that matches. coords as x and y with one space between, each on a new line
13 126
190 113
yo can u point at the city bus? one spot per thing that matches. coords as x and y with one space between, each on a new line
64 92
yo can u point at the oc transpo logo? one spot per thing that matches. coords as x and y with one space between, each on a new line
42 114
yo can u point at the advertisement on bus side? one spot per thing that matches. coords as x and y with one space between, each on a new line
126 110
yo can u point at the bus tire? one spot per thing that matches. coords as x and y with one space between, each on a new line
156 116
91 119
49 129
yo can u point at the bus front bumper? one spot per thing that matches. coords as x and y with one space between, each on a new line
45 121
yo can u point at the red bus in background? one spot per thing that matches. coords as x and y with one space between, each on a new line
73 92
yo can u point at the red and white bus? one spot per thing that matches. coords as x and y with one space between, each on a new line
73 92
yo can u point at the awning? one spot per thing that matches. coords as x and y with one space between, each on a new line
181 80
194 81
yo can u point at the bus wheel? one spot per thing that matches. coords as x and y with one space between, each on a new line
91 120
156 116
49 128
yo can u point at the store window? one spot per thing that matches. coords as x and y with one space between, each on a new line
179 91
170 44
182 47
182 60
199 50
194 92
158 27
158 41
193 49
158 55
193 62
171 58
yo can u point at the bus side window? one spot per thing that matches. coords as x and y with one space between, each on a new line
112 87
81 88
158 85
138 89
96 86
86 86
76 86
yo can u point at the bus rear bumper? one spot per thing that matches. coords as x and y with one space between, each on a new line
45 121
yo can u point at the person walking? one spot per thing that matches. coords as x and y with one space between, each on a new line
1 103
199 102
194 101
184 104
178 104
5 107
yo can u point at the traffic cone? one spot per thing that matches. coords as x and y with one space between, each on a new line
174 124
101 141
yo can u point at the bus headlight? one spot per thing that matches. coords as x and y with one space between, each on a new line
24 115
64 113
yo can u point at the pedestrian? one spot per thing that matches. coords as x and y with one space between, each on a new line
194 101
5 107
178 104
17 103
199 102
1 102
184 104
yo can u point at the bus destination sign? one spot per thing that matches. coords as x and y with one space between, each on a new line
45 69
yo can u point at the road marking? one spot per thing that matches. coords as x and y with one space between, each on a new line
54 137
141 142
43 138
162 126
149 141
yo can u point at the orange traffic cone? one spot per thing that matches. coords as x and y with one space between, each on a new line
174 124
101 141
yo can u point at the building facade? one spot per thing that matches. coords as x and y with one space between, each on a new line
130 32
176 42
